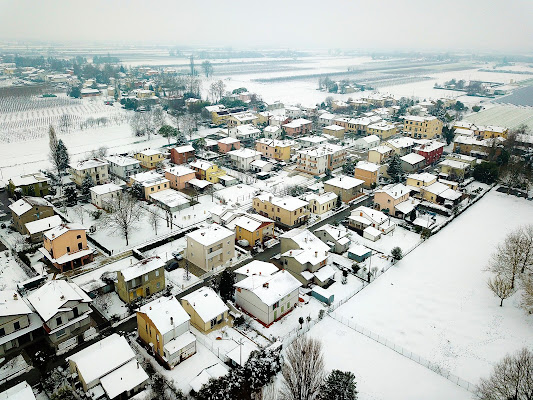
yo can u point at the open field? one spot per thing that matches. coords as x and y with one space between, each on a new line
506 115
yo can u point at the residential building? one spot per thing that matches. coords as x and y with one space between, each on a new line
440 193
305 256
37 228
479 148
219 113
279 120
279 150
359 253
389 197
150 158
420 180
422 127
101 195
382 129
364 217
311 141
298 127
492 131
170 200
179 176
253 228
272 132
431 151
29 209
21 391
267 297
242 158
316 161
287 211
182 154
245 132
358 125
19 325
367 142
228 144
210 247
207 311
336 237
141 279
242 118
207 171
326 119
123 167
334 130
29 185
321 203
65 246
367 172
107 369
255 267
164 326
96 168
452 169
151 182
346 187
64 309
263 118
261 166
293 112
471 161
401 146
412 162
380 154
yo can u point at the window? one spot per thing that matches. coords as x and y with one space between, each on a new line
156 272
58 321
2 332
213 322
146 328
68 249
80 246
158 285
146 278
78 237
157 337
16 325
275 305
60 333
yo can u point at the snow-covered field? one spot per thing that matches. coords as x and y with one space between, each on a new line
400 237
435 302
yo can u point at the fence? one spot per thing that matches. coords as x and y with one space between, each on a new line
211 345
406 353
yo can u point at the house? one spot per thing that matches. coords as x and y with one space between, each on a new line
334 130
21 391
367 172
228 144
492 131
107 369
255 267
346 187
363 217
170 200
471 161
279 150
164 326
382 129
326 119
387 198
182 154
151 182
419 180
317 160
380 154
102 194
244 132
19 325
293 112
440 193
253 228
367 142
298 127
272 132
218 113
207 171
242 118
267 298
263 118
242 158
456 170
88 92
431 151
29 209
29 185
321 203
123 167
141 279
359 253
37 228
65 246
305 256
150 158
401 146
261 166
412 162
208 312
210 247
422 127
96 168
336 237
479 148
308 141
286 211
179 176
279 120
64 309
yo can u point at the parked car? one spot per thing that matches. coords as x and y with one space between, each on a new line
171 266
177 255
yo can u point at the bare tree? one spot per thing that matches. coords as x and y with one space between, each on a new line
154 220
527 248
501 287
80 212
124 214
217 90
303 371
511 379
158 117
527 293
208 68
507 260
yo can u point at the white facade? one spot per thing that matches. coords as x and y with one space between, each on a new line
102 194
243 157
123 167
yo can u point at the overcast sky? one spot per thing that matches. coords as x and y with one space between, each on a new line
481 25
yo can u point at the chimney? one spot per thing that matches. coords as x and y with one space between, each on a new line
171 320
316 253
265 285
290 253
15 296
259 272
247 271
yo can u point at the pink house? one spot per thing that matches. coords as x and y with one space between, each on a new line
228 144
179 176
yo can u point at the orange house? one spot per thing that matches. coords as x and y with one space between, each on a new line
179 176
65 246
368 172
228 144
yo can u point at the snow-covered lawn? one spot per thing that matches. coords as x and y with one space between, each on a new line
165 250
237 194
10 272
111 306
400 237
177 279
435 302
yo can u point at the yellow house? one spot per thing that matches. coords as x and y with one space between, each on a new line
150 158
420 180
422 127
277 149
98 170
346 187
288 211
66 246
207 171
334 130
320 204
242 118
151 182
495 131
367 172
141 279
207 311
380 154
253 228
382 130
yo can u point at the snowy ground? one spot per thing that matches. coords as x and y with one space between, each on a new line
10 272
178 280
237 194
111 306
435 301
400 237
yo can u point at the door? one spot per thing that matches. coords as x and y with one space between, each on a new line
147 291
275 315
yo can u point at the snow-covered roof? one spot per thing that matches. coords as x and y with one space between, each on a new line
200 183
313 139
105 188
321 198
429 147
310 248
344 182
210 235
179 342
149 178
415 118
288 203
170 197
62 229
102 357
50 298
382 149
250 222
123 379
372 231
244 152
271 128
166 313
275 142
325 273
179 170
122 161
382 126
11 303
44 224
150 152
412 158
21 391
333 127
270 289
406 206
367 166
322 150
214 371
370 139
206 303
201 164
400 143
142 267
228 140
423 177
246 130
454 164
395 190
260 163
376 216
184 149
28 179
336 232
257 267
25 204
215 108
244 116
297 123
86 164
241 353
359 250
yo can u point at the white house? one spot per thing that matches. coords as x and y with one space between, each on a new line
255 267
367 142
102 194
243 157
272 132
123 166
21 391
363 217
244 132
336 237
261 166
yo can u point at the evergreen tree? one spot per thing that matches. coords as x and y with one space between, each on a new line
395 168
62 155
168 132
339 385
396 253
71 196
137 190
412 215
227 280
86 184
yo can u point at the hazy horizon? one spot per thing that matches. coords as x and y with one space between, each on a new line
413 25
